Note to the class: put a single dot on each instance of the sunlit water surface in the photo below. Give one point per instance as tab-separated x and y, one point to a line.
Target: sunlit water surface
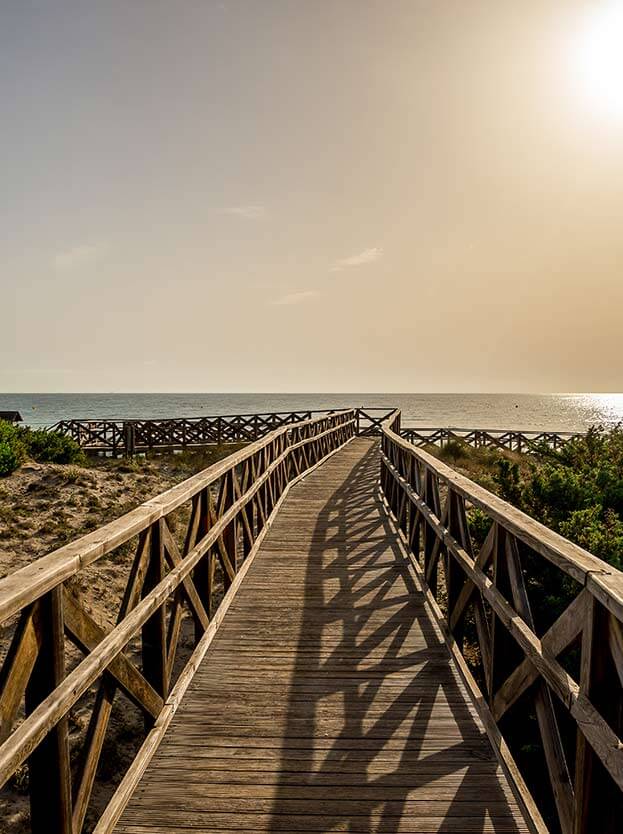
562	412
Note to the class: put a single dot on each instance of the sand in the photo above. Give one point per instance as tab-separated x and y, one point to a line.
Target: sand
43	506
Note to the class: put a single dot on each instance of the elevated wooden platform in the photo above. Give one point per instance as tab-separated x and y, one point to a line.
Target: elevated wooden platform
328	700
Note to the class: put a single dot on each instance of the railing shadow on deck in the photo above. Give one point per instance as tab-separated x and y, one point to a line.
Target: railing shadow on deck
362	543
559	671
186	552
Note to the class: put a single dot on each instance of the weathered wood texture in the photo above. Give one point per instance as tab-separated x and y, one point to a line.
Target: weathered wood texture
191	547
328	700
567	669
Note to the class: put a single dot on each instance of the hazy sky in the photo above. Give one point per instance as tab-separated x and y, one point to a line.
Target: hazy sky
331	195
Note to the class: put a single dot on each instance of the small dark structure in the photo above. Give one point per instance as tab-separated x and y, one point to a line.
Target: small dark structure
11	416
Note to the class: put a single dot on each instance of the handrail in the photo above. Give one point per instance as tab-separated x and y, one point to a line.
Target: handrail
514	440
430	502
129	436
463	429
232	505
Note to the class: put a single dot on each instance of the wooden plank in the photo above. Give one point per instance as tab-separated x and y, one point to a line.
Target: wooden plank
132	778
328	699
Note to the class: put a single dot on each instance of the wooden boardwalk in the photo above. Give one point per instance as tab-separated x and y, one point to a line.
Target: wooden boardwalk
327	700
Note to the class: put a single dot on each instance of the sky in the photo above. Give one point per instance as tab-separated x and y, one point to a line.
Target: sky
338	195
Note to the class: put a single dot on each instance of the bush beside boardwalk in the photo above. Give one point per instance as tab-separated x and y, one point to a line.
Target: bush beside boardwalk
18	443
576	491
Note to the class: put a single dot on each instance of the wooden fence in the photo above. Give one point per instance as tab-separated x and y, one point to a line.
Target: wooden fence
127	437
566	667
187	551
510	439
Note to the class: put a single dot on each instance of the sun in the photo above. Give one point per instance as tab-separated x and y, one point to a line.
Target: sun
598	58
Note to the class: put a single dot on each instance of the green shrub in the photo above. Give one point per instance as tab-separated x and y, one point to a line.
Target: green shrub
508	480
12	447
454	450
17	443
9	461
600	533
577	491
479	525
49	447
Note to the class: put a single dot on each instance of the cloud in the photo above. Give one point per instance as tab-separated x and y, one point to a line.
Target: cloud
368	256
248	212
294	298
76	257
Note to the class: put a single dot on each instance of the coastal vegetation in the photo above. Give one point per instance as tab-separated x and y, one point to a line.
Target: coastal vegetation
576	490
20	443
44	505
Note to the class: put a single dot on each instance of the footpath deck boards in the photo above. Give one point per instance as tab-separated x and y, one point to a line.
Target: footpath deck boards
327	701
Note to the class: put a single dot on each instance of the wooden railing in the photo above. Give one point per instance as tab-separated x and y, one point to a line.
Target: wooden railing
567	669
186	551
510	439
127	437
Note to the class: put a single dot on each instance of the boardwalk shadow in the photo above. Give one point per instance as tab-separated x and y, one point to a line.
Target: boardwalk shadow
377	720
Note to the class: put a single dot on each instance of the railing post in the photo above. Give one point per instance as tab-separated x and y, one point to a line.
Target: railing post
128	439
202	572
598	800
49	766
455	578
154	632
505	654
230	534
431	497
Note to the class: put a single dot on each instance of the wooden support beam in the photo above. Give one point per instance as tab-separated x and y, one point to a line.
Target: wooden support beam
553	749
49	766
86	634
154	632
18	666
598	800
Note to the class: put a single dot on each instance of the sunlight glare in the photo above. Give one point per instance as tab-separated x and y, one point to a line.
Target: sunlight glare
598	57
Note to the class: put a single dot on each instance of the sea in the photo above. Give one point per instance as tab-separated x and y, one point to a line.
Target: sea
552	412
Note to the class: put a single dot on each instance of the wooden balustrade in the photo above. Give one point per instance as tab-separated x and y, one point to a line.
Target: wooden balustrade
179	575
567	670
127	437
510	439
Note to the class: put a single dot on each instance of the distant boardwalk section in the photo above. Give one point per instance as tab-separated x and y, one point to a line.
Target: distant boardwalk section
128	437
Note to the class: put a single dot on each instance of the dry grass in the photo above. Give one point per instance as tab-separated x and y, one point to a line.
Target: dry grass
480	464
42	507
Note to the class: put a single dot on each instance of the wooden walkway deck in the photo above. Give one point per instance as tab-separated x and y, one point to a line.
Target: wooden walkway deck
328	700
